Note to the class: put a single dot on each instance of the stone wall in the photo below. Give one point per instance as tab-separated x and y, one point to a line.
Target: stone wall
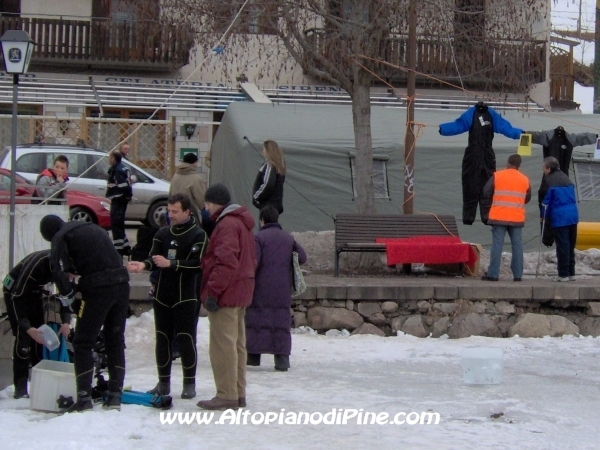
455	319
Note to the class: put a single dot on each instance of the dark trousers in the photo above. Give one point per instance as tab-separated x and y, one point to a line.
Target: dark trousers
176	319
118	207
104	306
565	238
25	350
473	197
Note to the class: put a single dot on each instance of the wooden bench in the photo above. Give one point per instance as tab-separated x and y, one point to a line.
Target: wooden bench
357	232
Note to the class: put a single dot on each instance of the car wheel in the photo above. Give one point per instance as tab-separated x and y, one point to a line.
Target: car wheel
156	210
81	215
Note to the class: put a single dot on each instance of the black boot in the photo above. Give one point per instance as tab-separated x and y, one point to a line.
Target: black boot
113	401
253	359
21	389
161	388
83	403
282	362
189	390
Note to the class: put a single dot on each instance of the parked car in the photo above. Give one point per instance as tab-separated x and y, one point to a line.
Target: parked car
82	206
150	194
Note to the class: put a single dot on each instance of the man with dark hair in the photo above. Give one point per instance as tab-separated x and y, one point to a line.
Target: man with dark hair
24	299
84	249
509	191
559	203
227	287
119	191
176	251
52	181
187	181
268	215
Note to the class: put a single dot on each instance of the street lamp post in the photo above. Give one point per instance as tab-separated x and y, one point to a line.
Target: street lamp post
17	47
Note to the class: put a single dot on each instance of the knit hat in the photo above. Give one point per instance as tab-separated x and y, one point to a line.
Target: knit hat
190	158
50	225
217	194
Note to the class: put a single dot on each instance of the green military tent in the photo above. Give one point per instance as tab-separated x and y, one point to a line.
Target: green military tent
318	144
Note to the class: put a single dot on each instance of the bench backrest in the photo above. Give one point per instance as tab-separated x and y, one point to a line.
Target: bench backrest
359	228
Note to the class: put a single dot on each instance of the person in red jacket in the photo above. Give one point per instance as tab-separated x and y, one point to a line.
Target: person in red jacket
228	268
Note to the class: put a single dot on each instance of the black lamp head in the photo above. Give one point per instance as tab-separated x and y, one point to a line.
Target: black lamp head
190	129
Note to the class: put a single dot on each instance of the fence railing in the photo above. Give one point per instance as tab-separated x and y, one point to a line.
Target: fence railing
485	61
151	146
144	45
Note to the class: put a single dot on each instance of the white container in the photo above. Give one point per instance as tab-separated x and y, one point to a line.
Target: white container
50	380
51	340
482	365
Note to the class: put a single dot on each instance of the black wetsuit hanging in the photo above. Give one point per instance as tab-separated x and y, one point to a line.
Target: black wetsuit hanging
479	161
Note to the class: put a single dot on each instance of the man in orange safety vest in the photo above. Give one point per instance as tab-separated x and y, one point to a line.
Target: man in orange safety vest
509	190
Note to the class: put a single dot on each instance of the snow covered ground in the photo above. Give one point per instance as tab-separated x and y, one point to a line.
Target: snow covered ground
547	399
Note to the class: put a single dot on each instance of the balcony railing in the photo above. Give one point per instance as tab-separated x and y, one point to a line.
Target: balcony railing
488	62
104	43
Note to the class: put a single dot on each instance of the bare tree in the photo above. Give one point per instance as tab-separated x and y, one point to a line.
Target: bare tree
345	42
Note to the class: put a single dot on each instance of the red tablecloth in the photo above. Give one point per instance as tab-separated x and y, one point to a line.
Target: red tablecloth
428	250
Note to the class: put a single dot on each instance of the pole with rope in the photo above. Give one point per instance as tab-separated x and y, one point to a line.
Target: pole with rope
409	138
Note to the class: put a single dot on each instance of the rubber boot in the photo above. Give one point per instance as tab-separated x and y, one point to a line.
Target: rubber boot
161	388
282	362
113	401
189	391
83	403
21	389
253	359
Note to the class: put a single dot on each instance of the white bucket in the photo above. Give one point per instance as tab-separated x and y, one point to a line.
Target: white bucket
50	380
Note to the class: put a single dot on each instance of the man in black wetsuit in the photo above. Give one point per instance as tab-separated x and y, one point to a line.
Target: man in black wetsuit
84	249
24	299
176	251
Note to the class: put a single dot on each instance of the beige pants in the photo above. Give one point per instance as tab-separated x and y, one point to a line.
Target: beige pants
227	351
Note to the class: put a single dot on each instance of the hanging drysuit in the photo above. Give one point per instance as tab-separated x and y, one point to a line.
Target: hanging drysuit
479	161
559	144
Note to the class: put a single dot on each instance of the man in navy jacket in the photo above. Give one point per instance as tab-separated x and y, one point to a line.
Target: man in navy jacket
560	205
119	191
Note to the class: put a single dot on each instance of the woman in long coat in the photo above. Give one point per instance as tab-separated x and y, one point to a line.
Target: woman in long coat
268	319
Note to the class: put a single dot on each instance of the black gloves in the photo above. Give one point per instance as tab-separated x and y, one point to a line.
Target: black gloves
211	304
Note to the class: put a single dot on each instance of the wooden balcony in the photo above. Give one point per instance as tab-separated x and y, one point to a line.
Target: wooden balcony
491	64
104	43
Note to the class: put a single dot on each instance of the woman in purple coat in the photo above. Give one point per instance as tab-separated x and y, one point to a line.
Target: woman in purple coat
268	319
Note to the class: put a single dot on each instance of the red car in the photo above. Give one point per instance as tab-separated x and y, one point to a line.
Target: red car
82	206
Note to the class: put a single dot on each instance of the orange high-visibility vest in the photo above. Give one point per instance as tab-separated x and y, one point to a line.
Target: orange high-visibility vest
510	191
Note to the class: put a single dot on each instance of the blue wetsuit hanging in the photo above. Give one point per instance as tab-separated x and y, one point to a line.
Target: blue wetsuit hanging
479	161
